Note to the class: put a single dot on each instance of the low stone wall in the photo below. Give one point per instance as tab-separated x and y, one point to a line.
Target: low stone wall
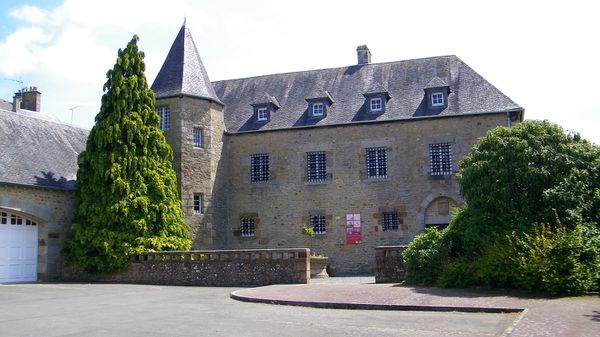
220	268
389	265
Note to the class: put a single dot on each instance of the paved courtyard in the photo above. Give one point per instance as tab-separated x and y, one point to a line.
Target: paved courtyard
138	310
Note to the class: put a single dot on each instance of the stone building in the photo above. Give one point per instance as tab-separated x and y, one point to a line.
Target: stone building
37	188
365	155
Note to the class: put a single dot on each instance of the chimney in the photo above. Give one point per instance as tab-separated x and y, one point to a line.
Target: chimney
17	99
363	54
31	99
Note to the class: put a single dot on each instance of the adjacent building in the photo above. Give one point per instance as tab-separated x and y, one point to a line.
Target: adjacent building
37	187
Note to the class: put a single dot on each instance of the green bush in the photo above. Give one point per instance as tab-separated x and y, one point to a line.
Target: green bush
490	269
513	179
424	256
556	260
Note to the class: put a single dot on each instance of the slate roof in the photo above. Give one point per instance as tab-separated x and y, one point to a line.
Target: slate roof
404	81
38	151
183	72
5	105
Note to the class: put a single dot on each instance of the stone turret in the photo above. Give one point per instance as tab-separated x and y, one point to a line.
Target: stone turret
192	119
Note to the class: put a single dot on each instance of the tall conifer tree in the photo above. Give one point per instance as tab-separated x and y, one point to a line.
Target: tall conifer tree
128	201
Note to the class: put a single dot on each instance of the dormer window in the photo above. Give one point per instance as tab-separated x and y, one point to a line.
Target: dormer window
263	107
319	104
437	99
436	95
318	109
376	98
262	114
376	104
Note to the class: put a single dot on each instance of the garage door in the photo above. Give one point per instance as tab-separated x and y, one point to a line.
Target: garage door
18	248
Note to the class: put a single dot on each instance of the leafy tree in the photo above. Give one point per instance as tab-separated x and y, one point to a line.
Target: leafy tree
531	173
128	201
531	215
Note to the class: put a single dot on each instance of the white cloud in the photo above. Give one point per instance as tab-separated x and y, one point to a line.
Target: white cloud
19	51
543	57
30	14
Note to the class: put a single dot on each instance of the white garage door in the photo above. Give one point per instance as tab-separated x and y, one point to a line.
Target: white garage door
18	248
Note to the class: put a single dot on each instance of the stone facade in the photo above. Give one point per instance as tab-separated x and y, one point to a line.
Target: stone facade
52	210
282	205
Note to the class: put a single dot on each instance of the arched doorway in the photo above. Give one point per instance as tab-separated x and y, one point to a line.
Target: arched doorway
439	212
18	247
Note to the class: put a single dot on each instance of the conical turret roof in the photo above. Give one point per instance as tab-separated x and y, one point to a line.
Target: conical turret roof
183	73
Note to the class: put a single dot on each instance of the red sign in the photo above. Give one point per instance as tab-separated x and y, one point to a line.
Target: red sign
353	229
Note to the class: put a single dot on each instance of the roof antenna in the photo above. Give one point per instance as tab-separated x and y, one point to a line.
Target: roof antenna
20	81
73	109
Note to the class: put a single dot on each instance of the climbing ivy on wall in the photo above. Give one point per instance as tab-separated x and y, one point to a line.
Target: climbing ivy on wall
127	201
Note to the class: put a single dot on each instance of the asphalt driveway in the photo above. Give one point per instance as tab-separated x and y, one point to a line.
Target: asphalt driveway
139	310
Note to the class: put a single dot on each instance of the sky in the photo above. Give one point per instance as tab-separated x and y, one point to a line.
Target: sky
544	55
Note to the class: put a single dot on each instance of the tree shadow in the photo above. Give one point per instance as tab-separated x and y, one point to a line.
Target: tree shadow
473	293
595	316
48	179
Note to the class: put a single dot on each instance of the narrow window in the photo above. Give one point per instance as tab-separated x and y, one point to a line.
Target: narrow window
4	218
318	109
440	159
197	137
375	104
316	166
262	114
259	168
247	227
197	203
317	222
163	115
376	163
437	99
389	222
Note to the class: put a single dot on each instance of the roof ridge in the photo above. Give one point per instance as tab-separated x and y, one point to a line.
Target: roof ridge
337	68
33	115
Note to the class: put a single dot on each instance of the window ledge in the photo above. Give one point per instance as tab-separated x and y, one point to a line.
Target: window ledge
374	180
261	184
323	182
441	176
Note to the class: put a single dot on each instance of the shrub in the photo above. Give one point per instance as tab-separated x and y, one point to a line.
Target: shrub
424	256
558	261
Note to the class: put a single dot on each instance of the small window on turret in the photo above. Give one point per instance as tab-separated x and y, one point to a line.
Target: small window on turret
163	116
197	137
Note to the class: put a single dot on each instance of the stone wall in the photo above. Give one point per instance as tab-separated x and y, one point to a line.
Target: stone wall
389	264
281	206
225	268
53	210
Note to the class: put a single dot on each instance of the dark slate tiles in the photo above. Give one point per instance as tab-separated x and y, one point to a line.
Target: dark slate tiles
404	81
183	72
39	152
